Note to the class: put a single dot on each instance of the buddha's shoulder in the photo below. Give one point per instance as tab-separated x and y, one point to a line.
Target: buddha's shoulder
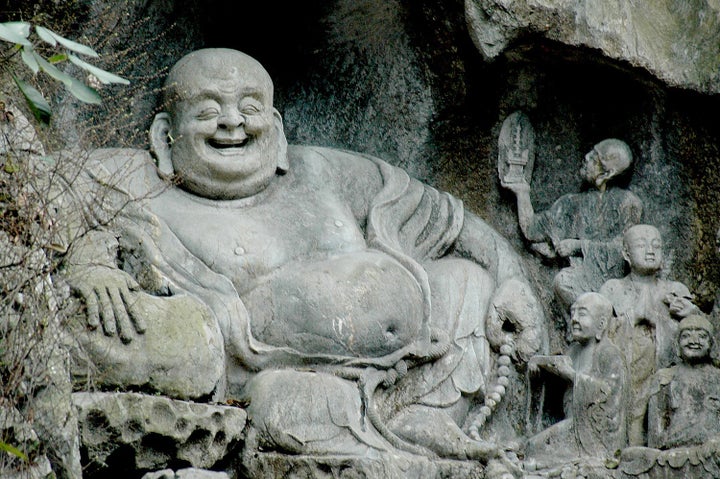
130	169
325	162
117	161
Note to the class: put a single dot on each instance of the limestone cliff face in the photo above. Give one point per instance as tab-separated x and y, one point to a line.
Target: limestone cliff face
678	41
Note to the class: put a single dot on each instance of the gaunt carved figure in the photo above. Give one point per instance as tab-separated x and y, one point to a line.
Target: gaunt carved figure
586	227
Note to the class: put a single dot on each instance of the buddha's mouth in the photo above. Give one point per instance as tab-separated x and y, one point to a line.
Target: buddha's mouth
227	145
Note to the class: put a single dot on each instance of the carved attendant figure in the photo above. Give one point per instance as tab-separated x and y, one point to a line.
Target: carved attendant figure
310	258
684	407
648	309
595	370
586	228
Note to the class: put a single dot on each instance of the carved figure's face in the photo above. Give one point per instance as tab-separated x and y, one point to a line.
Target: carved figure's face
585	321
694	344
592	167
643	249
225	137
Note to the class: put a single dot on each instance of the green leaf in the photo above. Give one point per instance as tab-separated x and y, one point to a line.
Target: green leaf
9	35
60	57
102	75
79	90
27	56
45	35
52	70
21	28
69	44
13	450
84	93
10	167
37	103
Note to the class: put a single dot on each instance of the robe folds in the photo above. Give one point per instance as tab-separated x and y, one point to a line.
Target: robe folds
412	223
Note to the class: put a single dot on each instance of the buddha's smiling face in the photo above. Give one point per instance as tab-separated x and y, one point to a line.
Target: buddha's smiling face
224	128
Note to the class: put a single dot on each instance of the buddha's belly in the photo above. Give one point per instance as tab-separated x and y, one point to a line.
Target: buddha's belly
361	304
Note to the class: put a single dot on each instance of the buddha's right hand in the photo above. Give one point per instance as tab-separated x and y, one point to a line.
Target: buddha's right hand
108	294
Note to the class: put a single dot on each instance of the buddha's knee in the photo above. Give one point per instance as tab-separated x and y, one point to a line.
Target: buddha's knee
301	412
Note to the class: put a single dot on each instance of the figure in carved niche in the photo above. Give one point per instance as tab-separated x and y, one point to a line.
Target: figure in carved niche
585	228
301	258
684	405
683	412
648	309
595	371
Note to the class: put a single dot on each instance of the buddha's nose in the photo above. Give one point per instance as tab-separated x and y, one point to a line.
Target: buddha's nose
230	119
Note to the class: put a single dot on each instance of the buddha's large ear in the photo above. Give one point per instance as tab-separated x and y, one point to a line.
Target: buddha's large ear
160	141
283	163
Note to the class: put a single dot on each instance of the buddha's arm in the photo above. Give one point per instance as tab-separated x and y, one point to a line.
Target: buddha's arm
479	242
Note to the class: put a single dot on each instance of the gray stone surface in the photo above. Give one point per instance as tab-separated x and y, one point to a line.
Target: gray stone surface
648	308
594	426
189	473
676	40
180	353
583	231
304	257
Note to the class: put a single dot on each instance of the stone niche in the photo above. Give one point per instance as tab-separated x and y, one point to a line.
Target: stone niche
409	81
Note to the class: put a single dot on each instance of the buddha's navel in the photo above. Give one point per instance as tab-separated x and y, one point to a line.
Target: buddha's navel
362	304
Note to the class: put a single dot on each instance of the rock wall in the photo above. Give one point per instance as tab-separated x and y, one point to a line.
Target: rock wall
426	84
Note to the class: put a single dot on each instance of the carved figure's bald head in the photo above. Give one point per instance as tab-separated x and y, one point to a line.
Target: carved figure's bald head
191	72
220	134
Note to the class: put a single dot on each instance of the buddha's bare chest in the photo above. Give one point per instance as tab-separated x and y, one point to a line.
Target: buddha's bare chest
246	243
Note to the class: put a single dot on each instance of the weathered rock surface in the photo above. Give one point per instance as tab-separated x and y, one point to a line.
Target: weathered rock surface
189	473
130	431
676	40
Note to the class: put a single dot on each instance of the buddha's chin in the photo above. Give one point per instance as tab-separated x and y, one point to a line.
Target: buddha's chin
228	186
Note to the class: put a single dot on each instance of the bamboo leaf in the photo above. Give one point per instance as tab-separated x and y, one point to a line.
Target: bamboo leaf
9	35
45	35
78	89
27	56
21	28
102	75
84	93
52	70
37	103
60	57
13	450
69	44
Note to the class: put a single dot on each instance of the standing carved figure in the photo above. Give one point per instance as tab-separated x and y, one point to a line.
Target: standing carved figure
584	228
648	309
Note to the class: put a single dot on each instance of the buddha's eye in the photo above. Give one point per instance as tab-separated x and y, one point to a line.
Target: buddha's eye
208	114
250	106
